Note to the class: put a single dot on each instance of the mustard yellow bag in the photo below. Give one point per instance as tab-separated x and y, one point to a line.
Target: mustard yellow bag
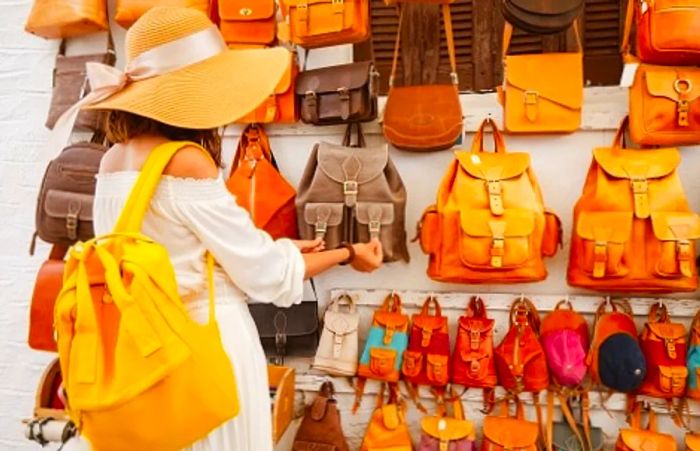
138	372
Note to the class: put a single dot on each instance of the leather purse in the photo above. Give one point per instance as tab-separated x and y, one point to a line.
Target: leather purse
323	23
387	429
338	348
638	438
424	117
286	332
248	23
49	281
58	19
452	433
541	93
321	429
280	106
541	16
259	187
505	432
664	105
129	11
70	84
666	31
338	94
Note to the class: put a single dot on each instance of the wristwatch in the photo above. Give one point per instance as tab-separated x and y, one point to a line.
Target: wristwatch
351	250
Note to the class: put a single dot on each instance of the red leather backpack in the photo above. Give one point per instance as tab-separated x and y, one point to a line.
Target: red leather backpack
426	360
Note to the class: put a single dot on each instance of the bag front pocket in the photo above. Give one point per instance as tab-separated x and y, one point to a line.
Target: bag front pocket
675	251
604	237
672	379
375	220
412	363
382	362
552	239
428	232
495	242
324	220
438	369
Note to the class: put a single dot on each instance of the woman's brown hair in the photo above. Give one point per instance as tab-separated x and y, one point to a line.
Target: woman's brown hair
121	126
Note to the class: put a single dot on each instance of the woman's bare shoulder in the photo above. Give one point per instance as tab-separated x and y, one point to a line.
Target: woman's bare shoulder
192	162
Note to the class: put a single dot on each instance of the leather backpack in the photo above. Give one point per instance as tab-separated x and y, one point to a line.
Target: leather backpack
64	206
424	117
666	32
351	195
338	348
338	94
57	19
615	359
442	432
633	229
489	224
321	428
323	23
665	349
693	359
280	107
248	23
541	16
541	93
564	338
638	438
47	286
387	429
504	432
259	187
426	361
129	11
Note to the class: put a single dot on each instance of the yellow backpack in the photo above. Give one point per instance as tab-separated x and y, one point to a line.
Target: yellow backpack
138	372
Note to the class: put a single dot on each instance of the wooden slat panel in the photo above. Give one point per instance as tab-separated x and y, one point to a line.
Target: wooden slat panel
602	32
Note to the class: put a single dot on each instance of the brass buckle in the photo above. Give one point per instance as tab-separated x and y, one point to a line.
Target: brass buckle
374	228
350	188
454	78
531	97
683	249
320	229
474	339
682	86
640	186
72	225
600	252
344	93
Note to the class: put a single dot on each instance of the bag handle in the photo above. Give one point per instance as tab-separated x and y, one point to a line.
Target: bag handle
347	138
625	44
431	300
253	145
508	35
478	141
476	308
524	308
392	303
564	302
619	140
327	389
658	313
449	35
344	299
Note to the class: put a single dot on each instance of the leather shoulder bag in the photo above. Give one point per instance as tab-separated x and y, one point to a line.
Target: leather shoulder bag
542	93
638	438
49	281
542	16
129	11
442	432
338	94
70	84
323	23
338	348
387	428
424	117
506	432
248	23
321	429
58	19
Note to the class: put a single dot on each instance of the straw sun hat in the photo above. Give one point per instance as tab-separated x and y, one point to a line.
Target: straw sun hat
180	72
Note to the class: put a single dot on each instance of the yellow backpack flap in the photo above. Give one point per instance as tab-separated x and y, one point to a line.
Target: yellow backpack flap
138	372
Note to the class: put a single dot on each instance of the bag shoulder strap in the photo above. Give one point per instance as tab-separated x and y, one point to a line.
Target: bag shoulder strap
253	145
629	17
478	140
431	300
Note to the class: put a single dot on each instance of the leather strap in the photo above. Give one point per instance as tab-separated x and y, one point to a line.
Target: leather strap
658	313
625	44
478	141
392	303
347	137
449	35
254	145
343	299
431	300
476	308
58	252
619	140
508	35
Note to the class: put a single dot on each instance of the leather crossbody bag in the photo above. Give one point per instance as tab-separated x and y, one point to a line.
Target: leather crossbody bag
58	19
541	16
280	106
248	23
323	23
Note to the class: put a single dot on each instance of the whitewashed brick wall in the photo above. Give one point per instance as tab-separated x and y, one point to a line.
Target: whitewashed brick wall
26	64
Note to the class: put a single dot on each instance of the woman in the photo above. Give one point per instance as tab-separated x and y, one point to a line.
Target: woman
181	84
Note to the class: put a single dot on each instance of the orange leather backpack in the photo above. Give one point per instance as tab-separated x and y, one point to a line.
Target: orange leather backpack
637	438
489	224
248	23
633	229
387	429
322	23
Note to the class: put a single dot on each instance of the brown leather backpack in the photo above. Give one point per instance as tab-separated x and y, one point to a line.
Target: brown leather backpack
542	16
64	207
351	194
321	429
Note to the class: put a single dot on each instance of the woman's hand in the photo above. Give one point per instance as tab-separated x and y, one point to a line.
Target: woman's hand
368	256
310	246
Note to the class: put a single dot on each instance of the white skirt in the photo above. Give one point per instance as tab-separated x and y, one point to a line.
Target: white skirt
251	430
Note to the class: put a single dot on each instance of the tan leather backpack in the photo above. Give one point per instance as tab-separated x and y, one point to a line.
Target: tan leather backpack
351	194
321	428
633	229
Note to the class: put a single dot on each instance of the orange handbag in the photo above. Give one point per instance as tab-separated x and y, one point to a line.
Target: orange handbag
128	11
48	284
542	92
259	187
387	429
322	23
489	224
636	438
57	19
248	23
633	228
505	432
281	105
424	117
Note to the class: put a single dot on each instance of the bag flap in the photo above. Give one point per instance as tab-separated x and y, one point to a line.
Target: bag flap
245	10
390	319
437	359
692	442
510	433
670	331
318	408
390	416
330	213
60	204
493	166
383	212
676	226
557	77
633	163
331	79
647	441
671	82
300	319
547	8
513	223
431	323
341	323
447	429
674	371
482	325
289	76
612	323
606	226
340	162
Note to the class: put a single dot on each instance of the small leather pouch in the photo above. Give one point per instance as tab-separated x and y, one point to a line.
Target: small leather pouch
248	23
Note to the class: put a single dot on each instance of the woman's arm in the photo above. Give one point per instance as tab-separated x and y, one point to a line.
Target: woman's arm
367	258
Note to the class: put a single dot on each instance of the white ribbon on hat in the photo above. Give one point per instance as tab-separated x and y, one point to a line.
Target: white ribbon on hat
105	81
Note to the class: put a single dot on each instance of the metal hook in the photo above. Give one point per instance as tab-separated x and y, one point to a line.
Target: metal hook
608	302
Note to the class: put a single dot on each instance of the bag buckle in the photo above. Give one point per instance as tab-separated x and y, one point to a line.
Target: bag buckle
474	339
72	220
495	190
280	323
374	229
350	188
388	335
671	347
474	367
320	229
531	97
427	335
454	78
497	252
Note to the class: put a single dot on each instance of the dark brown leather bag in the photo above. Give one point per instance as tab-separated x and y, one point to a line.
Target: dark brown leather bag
49	281
64	206
321	429
70	84
542	16
338	94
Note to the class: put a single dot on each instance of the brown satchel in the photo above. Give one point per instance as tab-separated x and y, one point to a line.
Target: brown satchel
542	16
338	94
424	117
70	84
321	429
48	284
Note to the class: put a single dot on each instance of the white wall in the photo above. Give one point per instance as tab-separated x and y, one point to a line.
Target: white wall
26	63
